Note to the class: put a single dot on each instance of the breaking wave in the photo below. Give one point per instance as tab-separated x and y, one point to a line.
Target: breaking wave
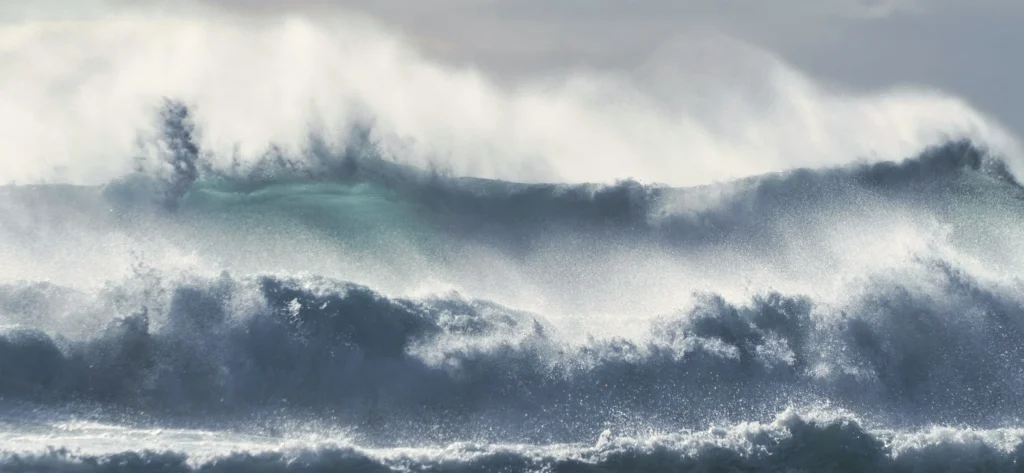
788	443
348	303
449	366
930	336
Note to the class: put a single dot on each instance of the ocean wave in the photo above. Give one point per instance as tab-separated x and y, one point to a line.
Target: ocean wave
884	289
789	443
361	182
223	348
336	255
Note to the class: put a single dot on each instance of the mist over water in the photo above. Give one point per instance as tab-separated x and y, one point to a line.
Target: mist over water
250	244
697	111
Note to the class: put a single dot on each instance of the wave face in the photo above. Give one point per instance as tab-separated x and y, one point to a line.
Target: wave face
330	303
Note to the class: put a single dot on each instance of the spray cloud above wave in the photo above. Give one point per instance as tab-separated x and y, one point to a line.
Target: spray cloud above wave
701	110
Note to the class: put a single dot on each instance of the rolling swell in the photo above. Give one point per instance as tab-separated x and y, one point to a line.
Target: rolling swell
182	165
520	218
